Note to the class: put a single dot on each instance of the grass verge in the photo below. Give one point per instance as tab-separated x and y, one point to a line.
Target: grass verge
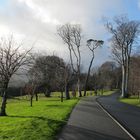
40	122
106	93
131	100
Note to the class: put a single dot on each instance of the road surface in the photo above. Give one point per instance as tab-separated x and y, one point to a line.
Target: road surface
127	115
88	121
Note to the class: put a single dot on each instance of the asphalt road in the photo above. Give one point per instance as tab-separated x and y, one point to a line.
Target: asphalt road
127	115
89	122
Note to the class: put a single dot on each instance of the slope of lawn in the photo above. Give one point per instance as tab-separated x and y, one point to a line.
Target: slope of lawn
131	100
40	122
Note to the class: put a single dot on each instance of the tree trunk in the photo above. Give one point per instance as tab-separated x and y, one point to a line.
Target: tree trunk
31	100
127	78
126	84
4	100
3	105
85	88
48	93
35	92
61	96
123	82
67	91
79	90
36	96
95	91
88	75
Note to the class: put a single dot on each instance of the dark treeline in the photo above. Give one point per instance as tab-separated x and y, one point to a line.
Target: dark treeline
49	77
134	76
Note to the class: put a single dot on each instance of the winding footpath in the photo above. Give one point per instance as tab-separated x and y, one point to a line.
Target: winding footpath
89	121
127	115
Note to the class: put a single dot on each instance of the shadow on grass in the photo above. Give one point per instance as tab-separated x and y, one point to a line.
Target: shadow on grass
39	123
58	106
36	117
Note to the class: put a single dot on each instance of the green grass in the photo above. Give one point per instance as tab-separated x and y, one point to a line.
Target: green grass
131	100
88	93
40	122
106	93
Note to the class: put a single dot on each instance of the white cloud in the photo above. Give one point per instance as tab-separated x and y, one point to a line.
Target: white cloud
38	19
3	30
40	12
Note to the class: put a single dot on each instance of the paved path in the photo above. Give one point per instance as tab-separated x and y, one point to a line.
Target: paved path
127	115
89	122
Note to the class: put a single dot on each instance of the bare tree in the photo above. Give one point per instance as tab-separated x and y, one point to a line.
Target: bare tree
92	45
71	35
12	58
33	83
124	37
29	90
66	74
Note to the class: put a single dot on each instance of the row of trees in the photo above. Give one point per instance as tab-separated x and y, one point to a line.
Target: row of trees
125	34
51	73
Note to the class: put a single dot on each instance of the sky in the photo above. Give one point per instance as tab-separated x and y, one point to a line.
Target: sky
36	21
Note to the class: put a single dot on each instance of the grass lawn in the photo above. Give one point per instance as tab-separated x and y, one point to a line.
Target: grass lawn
106	93
40	122
88	93
131	100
